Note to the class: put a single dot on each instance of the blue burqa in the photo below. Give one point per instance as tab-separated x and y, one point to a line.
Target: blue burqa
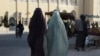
57	40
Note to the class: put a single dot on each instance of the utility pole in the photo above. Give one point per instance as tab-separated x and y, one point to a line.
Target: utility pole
16	16
84	6
48	5
16	11
38	3
58	4
27	11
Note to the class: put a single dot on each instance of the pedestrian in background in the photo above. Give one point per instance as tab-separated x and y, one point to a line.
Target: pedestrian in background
19	30
82	32
37	28
57	40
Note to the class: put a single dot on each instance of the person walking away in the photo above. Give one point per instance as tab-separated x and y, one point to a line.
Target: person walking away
57	40
37	28
20	29
82	32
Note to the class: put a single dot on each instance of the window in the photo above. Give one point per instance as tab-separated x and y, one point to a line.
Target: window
64	1
33	0
13	0
43	1
73	2
53	1
46	0
21	0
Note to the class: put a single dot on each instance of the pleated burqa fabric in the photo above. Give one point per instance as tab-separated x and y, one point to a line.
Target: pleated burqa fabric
57	40
37	30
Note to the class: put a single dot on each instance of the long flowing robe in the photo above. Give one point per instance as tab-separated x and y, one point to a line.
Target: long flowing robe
57	40
37	29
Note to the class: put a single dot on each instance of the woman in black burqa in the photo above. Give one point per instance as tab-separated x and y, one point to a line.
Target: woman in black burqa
37	28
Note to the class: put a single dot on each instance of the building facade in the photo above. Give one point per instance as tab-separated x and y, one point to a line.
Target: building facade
26	7
92	10
23	9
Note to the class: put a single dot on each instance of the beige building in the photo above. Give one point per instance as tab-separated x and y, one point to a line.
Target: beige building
25	8
21	6
92	9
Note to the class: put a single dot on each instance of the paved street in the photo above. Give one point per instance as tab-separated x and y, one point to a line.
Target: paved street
89	51
12	46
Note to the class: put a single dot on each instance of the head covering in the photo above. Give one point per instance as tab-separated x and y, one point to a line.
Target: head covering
57	41
37	22
82	17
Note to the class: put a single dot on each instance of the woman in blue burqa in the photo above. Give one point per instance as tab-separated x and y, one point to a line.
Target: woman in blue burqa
57	40
37	30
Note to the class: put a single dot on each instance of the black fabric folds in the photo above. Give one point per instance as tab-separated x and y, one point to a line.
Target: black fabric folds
37	29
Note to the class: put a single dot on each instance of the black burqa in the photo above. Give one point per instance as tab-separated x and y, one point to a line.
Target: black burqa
37	29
